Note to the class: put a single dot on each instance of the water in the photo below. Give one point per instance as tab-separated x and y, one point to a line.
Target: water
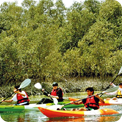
36	116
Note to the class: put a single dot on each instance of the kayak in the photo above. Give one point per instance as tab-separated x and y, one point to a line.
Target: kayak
114	102
19	108
65	113
107	102
15	108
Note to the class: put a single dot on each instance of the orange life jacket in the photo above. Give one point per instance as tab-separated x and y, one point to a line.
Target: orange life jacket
90	102
21	99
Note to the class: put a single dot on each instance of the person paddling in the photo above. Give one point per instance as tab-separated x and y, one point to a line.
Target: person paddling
91	102
55	93
118	93
21	97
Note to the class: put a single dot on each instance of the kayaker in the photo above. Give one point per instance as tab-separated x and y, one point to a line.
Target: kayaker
21	97
91	102
55	93
118	93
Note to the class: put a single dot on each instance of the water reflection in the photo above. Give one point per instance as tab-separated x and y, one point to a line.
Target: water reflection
86	119
34	116
28	116
16	117
120	120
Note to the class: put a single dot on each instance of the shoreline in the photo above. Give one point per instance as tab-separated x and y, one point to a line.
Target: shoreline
72	85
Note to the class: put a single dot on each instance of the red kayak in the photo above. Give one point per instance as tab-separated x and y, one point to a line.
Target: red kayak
61	113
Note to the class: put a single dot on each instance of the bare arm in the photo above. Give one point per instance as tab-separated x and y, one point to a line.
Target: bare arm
77	102
113	84
8	101
53	96
112	93
101	100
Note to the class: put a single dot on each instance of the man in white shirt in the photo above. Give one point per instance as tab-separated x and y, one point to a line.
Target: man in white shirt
118	93
21	97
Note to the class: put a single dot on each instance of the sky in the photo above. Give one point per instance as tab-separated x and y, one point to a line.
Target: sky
67	3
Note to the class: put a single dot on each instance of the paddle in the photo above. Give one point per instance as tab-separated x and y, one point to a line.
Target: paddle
25	83
108	90
39	86
120	72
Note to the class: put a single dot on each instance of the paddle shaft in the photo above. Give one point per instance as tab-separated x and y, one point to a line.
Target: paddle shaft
44	92
120	72
111	82
109	90
81	99
7	97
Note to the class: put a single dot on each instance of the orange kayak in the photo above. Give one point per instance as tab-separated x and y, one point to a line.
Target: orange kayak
61	113
107	102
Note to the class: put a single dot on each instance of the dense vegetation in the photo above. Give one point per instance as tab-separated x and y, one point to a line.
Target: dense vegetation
46	40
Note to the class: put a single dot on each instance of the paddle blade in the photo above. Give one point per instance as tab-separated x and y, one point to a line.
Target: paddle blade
111	89
120	71
38	86
25	83
55	101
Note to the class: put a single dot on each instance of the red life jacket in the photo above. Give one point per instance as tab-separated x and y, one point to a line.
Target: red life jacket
21	99
90	102
54	92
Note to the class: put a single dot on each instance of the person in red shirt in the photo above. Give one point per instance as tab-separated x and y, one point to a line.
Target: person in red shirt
55	93
21	97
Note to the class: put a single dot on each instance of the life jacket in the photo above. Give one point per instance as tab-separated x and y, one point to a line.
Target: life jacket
119	94
90	102
21	99
54	92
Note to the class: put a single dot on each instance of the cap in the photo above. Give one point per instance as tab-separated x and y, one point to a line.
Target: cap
55	84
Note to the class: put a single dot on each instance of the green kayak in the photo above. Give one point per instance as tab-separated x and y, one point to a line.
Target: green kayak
6	108
18	108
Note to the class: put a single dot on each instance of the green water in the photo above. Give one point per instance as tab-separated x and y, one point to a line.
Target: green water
36	116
